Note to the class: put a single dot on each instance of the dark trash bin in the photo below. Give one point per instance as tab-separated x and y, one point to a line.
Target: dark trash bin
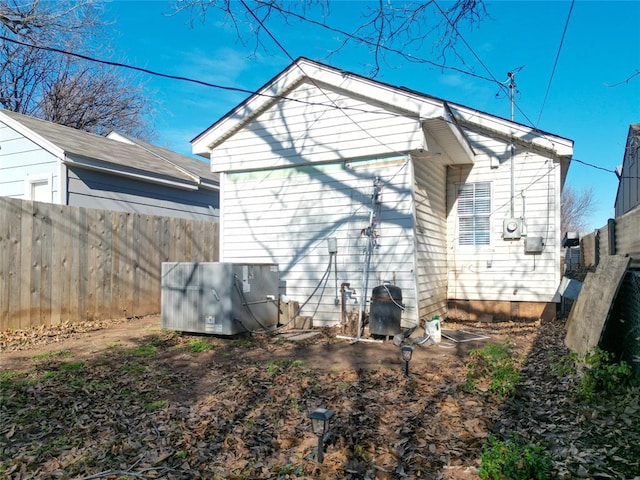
386	311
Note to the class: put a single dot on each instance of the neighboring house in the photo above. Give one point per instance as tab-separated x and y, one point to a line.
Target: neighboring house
628	196
46	162
462	221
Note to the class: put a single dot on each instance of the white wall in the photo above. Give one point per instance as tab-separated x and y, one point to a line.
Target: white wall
501	270
431	236
285	216
20	159
291	132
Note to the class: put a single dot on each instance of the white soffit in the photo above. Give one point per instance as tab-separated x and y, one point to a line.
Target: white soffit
527	136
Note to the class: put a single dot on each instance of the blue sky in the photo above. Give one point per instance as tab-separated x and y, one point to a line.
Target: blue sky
593	98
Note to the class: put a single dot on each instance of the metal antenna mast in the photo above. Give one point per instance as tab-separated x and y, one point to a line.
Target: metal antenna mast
512	89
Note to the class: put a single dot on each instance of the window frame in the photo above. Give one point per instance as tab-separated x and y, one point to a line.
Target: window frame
31	180
481	205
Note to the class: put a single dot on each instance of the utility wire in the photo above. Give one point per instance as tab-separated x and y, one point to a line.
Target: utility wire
555	63
326	95
206	84
502	86
252	92
364	41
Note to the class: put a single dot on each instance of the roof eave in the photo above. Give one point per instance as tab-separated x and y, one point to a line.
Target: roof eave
112	169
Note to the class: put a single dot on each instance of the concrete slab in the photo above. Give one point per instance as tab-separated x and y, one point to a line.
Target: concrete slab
298	336
590	313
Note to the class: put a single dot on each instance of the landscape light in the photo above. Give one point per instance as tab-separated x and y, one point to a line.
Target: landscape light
320	425
407	352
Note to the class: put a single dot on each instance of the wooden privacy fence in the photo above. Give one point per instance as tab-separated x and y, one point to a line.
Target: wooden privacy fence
620	236
61	263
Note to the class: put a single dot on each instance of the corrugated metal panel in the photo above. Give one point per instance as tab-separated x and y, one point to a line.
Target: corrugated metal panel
283	217
506	272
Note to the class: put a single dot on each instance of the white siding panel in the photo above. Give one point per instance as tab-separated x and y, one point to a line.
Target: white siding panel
431	235
286	216
291	132
502	270
20	158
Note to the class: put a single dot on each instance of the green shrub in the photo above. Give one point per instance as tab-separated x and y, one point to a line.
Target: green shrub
513	459
600	375
198	345
495	364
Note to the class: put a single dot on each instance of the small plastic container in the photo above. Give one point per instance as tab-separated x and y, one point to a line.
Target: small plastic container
432	328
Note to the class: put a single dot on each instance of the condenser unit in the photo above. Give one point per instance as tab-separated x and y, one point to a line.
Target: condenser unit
219	298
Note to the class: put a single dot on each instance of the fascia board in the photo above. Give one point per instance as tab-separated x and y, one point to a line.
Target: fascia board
243	113
94	165
559	146
33	136
210	185
396	98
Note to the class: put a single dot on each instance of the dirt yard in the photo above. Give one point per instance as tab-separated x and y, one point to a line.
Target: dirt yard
24	351
125	399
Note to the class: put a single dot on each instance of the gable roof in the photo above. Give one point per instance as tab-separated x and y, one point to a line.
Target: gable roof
134	158
440	118
198	169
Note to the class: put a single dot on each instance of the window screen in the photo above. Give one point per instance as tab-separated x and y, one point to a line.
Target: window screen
474	211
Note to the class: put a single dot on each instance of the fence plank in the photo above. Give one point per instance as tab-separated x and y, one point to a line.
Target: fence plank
23	319
627	233
61	263
5	267
43	221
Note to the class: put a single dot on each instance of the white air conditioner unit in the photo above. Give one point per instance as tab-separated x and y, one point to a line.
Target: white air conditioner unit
512	228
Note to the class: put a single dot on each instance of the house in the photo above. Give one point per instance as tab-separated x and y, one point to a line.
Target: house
458	208
46	162
628	196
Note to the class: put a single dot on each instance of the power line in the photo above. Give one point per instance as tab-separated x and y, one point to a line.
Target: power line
555	63
483	65
364	41
264	27
252	92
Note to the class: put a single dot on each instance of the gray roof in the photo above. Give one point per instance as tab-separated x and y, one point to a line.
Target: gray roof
139	158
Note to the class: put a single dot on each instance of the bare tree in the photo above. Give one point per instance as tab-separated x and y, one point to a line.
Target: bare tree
575	209
388	28
63	88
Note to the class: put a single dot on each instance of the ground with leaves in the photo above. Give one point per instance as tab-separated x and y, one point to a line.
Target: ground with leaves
125	399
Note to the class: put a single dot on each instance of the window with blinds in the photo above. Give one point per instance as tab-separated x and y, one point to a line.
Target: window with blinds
474	212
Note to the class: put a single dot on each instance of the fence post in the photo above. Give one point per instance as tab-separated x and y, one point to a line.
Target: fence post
611	231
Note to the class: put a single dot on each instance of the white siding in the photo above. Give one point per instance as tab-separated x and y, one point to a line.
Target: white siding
431	236
293	132
501	270
21	158
285	216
